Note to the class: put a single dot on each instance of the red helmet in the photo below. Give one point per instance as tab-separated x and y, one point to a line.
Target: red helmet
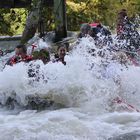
94	24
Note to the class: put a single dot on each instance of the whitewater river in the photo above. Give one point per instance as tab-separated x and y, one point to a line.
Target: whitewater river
84	90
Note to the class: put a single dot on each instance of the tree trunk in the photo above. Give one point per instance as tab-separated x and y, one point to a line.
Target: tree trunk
31	23
60	19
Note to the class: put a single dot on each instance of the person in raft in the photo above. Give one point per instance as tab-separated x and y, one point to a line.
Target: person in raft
20	56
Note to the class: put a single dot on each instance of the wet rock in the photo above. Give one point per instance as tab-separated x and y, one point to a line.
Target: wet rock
11	103
127	136
38	103
33	102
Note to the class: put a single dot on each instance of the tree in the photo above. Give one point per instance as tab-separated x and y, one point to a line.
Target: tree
105	11
12	21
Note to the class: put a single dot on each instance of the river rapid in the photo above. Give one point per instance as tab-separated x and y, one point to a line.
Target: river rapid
84	91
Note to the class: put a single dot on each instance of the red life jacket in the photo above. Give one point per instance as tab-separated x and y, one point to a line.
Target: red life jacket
27	58
119	29
17	59
13	60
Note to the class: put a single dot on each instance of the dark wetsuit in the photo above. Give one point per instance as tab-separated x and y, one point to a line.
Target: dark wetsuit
57	59
100	29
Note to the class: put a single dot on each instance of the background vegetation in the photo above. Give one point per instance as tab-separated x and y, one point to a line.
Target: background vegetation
12	21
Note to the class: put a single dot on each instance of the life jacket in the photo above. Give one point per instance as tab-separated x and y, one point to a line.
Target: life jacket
119	29
57	59
27	58
17	59
121	24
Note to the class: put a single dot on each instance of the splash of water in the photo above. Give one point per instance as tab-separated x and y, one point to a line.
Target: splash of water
85	87
91	78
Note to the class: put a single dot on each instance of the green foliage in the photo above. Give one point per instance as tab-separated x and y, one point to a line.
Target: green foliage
48	18
12	21
105	11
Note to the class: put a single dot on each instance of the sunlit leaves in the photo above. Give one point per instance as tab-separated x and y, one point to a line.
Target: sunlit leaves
12	21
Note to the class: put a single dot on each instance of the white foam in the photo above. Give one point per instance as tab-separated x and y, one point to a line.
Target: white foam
86	90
